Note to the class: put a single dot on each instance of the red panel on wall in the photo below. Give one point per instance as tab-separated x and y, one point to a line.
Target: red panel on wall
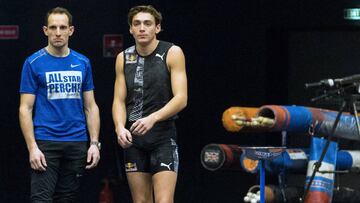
112	45
9	31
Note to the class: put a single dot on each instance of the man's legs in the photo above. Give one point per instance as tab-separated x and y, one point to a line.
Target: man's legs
138	175
164	164
71	170
164	186
140	187
43	182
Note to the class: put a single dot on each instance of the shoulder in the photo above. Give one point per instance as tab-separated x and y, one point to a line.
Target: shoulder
79	56
175	52
120	56
175	57
129	55
119	64
172	48
165	43
36	56
175	49
130	50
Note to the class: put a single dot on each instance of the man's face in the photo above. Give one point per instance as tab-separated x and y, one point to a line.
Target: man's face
58	30
143	27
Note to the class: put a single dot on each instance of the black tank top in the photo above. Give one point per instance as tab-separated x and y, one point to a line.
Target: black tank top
147	81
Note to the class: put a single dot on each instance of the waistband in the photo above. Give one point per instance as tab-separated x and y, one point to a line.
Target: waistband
159	125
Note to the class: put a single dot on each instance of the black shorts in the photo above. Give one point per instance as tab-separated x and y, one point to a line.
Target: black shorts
159	154
161	132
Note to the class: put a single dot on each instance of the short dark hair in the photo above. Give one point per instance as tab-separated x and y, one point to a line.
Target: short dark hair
58	10
146	9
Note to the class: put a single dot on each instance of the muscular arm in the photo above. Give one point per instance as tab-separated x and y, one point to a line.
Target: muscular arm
93	126
26	121
36	157
92	115
176	64
118	108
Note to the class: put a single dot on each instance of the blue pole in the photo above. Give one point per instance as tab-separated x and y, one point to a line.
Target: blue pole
262	181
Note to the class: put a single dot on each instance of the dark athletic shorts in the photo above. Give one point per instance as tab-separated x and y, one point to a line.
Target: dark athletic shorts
153	152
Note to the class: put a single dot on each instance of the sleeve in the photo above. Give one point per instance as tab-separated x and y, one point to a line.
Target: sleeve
28	83
88	81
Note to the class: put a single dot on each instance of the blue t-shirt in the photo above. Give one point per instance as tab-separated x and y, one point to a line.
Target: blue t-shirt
58	84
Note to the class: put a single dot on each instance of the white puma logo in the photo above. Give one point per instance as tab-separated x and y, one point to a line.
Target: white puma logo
160	56
166	165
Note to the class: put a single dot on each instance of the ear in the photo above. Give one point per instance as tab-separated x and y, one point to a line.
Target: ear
130	30
72	29
45	30
158	28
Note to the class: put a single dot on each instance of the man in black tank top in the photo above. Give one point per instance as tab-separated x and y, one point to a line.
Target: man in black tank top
150	89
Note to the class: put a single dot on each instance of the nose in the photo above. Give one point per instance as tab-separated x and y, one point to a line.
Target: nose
58	31
142	27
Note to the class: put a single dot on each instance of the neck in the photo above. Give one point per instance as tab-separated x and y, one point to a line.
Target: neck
59	52
145	50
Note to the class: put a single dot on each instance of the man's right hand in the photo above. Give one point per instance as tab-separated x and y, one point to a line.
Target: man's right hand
124	137
37	160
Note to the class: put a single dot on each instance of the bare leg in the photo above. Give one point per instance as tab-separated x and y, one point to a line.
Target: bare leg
140	187
164	186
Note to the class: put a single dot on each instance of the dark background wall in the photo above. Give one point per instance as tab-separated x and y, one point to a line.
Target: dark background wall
238	53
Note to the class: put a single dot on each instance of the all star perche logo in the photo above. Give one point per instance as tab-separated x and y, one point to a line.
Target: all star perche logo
63	84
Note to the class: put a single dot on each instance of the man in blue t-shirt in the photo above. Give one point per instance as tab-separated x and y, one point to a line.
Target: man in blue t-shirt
58	113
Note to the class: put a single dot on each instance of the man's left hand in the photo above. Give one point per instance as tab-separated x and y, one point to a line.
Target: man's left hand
142	126
93	157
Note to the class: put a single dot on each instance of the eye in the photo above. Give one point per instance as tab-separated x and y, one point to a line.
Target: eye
63	27
148	23
136	23
52	27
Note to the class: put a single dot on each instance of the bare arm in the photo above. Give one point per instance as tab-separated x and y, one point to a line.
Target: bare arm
36	157
118	108
176	64
92	115
93	125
